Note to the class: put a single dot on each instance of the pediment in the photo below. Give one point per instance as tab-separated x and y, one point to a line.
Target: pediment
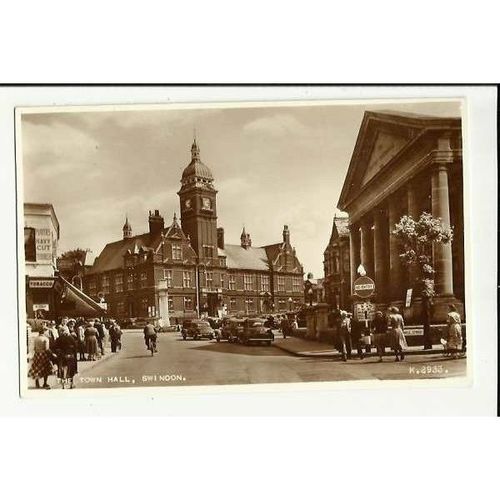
382	138
385	147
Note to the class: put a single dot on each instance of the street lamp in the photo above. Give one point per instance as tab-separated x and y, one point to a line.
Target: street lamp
290	301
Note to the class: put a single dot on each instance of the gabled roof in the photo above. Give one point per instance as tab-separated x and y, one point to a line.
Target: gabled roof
237	257
340	227
272	251
112	255
382	139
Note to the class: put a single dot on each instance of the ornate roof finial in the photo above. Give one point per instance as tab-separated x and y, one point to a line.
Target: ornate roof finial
127	228
195	150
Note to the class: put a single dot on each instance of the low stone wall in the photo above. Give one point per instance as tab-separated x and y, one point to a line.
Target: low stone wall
413	333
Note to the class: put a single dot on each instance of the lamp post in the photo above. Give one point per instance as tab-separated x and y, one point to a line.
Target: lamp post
290	301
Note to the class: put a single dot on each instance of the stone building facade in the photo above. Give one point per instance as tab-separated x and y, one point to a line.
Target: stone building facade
190	259
41	236
336	266
406	164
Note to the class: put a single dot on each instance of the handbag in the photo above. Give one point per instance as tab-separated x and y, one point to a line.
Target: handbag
366	339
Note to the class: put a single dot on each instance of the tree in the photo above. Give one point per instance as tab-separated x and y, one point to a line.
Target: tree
417	238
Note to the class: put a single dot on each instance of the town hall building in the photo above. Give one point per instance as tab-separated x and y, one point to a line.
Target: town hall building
190	259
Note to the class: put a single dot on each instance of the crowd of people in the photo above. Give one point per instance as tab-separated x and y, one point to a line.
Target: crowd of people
59	348
387	331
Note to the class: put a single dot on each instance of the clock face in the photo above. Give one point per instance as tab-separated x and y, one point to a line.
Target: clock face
187	203
207	204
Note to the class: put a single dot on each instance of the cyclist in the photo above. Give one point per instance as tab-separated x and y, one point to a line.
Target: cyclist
150	335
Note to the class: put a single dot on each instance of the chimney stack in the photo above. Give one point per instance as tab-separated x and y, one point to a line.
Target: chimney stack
220	237
286	235
156	222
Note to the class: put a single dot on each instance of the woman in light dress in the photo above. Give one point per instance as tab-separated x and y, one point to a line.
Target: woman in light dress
396	334
454	341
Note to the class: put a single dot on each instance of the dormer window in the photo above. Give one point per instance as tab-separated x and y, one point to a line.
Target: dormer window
176	252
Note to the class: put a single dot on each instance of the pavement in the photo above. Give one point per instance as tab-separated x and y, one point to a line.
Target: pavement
313	348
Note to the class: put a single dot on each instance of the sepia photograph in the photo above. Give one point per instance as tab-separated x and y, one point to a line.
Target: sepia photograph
177	245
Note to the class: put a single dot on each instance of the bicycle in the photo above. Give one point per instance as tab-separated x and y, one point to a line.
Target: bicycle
152	346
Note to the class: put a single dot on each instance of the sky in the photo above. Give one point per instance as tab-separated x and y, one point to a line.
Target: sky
272	166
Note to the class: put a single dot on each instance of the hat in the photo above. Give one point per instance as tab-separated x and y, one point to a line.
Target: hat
71	320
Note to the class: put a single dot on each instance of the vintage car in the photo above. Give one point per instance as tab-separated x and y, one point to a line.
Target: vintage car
197	329
229	329
254	331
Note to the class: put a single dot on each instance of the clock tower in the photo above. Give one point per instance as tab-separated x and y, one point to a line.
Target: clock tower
198	207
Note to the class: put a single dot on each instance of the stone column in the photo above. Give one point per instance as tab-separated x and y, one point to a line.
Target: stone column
395	264
366	247
321	311
353	253
380	257
163	303
443	266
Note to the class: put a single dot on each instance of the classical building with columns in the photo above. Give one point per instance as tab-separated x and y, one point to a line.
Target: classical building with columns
405	164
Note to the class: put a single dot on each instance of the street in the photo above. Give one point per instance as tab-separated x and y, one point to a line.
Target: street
205	362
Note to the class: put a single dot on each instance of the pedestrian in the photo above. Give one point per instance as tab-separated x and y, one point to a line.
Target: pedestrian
41	365
91	344
72	329
294	325
379	326
52	334
66	348
80	332
100	335
344	335
115	335
454	340
63	326
285	326
396	333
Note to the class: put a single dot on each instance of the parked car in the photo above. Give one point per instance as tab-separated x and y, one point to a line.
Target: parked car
229	329
197	328
214	322
254	331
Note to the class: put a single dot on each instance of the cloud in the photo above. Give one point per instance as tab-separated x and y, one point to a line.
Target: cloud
277	125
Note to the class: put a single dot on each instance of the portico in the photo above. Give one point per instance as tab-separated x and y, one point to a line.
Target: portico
405	166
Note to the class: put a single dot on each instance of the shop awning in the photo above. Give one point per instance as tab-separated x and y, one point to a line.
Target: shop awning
78	303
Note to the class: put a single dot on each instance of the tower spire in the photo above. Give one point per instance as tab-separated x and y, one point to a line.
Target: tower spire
195	150
245	239
127	228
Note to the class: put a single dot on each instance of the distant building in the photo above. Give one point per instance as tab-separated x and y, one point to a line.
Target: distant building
337	266
405	164
73	265
190	259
